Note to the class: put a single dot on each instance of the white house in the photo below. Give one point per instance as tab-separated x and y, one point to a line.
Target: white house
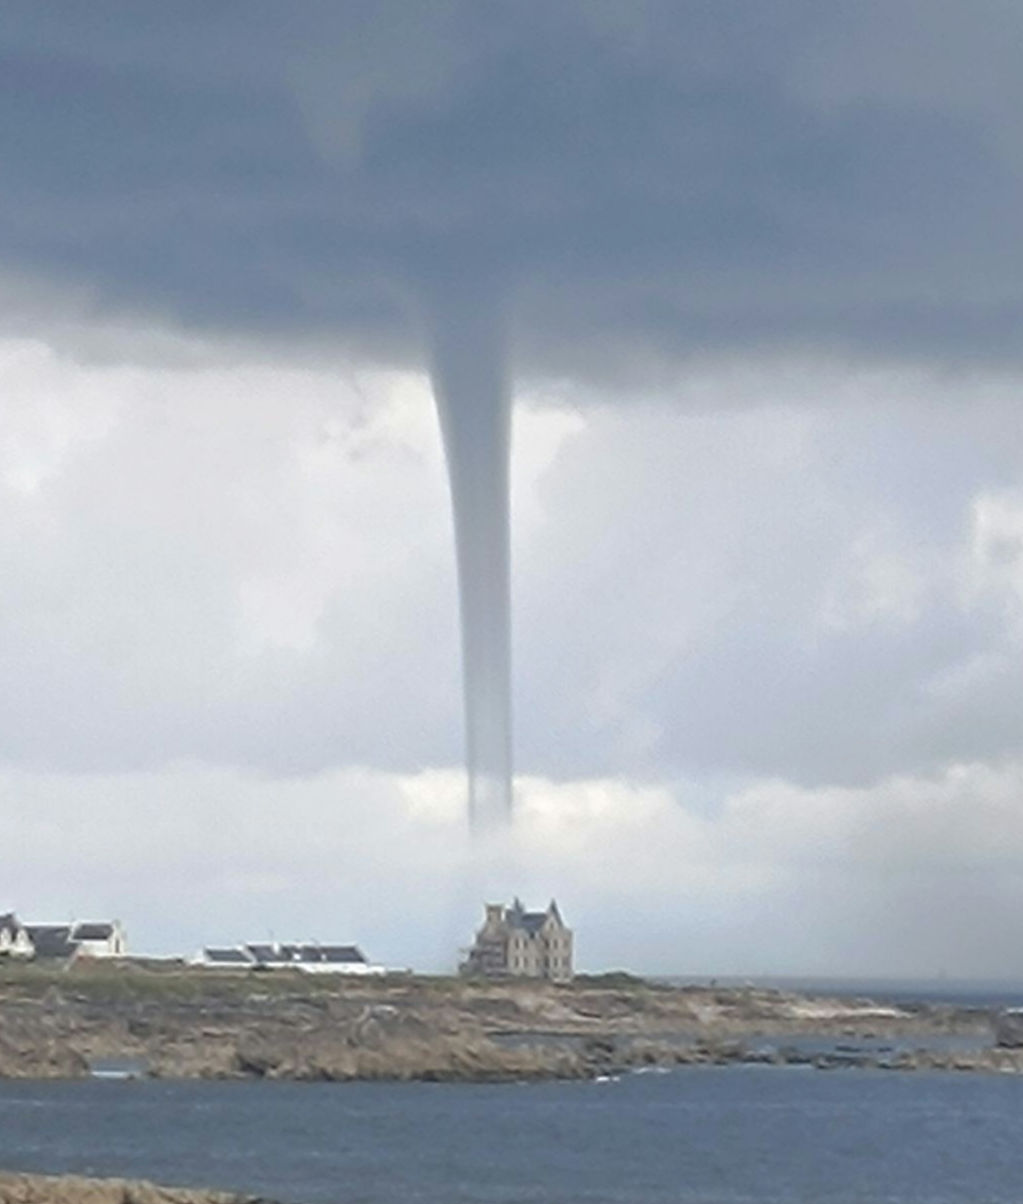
80	938
14	938
99	938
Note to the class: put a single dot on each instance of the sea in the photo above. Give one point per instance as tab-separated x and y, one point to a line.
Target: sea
738	1134
979	994
694	1135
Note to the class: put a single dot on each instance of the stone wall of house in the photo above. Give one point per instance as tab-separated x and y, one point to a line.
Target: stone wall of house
514	942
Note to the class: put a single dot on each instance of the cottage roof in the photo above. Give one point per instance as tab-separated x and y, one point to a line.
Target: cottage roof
308	954
51	940
89	930
339	954
9	923
265	954
233	956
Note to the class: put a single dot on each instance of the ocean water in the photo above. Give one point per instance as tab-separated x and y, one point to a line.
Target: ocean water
979	994
726	1135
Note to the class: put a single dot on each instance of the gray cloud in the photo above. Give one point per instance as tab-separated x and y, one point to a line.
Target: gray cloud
801	592
194	570
649	179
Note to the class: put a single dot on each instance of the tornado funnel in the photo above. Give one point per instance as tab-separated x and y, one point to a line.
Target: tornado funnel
474	404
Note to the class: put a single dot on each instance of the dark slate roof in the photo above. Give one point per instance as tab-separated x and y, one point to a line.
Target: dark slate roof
88	931
9	921
51	940
235	956
264	954
335	954
308	955
530	921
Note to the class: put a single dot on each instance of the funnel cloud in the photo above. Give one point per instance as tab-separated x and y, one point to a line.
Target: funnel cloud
474	403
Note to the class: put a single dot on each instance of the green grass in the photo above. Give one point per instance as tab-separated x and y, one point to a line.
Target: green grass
99	980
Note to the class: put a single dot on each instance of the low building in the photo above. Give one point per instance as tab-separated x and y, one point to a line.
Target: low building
514	942
81	938
310	958
99	938
14	938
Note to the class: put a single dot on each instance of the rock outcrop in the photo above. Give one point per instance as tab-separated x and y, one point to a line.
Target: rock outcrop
200	1024
1009	1028
71	1189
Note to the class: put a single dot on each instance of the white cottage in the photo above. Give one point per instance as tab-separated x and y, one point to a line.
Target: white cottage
99	938
14	938
80	938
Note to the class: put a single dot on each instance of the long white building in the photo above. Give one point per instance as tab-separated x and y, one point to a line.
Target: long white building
309	957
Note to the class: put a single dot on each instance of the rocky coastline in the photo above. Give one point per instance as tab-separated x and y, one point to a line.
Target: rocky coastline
73	1189
128	1020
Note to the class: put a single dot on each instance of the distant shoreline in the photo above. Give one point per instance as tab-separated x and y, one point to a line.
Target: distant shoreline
960	992
109	1020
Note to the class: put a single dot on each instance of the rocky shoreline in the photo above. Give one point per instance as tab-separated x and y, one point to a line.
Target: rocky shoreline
127	1020
72	1189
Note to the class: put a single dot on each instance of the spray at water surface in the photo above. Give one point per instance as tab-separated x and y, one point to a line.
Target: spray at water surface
467	365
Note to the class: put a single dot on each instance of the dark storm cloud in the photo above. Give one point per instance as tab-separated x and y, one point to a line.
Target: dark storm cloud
649	178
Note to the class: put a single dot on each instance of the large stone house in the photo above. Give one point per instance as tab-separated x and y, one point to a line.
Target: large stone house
514	942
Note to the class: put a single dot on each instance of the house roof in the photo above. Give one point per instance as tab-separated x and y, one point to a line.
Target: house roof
9	922
265	953
338	954
308	954
92	931
531	921
233	956
51	940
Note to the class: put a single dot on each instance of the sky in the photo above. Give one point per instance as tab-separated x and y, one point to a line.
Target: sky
758	270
